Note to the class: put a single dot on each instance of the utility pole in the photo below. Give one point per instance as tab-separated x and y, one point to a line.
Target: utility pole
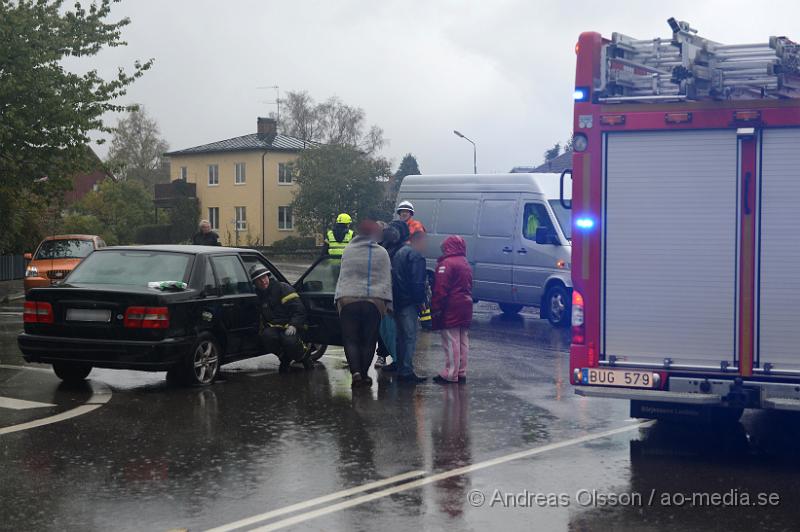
277	101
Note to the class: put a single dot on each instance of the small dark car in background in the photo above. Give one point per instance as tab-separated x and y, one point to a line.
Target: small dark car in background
113	312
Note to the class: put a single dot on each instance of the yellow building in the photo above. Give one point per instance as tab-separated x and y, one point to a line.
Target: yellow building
244	184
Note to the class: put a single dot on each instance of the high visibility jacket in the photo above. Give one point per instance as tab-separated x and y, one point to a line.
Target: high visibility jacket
336	248
415	226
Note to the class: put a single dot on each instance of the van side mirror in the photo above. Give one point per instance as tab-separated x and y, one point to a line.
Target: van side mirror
28	256
546	236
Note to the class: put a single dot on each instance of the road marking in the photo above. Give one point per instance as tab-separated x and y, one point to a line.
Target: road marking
303	517
101	394
319	500
21	404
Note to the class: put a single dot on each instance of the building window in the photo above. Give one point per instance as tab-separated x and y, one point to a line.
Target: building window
284	173
184	173
285	219
213	217
241	218
213	174
240	175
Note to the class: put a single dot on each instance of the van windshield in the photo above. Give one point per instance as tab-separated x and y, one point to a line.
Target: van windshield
564	217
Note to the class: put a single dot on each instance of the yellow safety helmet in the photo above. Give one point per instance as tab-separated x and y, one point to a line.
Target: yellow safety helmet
343	218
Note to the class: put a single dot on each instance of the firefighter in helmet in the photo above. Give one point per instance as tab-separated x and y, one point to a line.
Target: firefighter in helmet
283	316
337	238
405	211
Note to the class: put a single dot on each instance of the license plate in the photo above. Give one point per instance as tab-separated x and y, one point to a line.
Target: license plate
617	377
87	314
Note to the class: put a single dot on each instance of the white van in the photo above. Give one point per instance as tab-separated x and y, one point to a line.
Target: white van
517	233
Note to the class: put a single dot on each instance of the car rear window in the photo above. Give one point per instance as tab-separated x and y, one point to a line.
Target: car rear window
64	249
132	267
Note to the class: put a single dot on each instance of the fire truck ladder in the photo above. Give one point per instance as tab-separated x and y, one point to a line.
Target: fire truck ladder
689	67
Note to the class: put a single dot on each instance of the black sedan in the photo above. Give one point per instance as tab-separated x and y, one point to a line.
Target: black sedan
182	309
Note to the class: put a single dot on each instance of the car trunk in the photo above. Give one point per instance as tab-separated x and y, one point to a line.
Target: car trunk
97	311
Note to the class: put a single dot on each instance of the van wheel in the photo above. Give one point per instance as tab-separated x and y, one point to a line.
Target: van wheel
71	373
558	306
201	364
510	308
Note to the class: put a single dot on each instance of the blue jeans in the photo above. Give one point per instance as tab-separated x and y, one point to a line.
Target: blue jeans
406	319
389	335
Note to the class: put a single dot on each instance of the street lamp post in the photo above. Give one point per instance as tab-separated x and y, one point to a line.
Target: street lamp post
474	150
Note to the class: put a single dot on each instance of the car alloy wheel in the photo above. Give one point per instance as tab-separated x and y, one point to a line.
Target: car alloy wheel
557	307
206	361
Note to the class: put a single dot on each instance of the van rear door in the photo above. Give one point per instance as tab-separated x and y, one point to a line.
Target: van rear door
494	248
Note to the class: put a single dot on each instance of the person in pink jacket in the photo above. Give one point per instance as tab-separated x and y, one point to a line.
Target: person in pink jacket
451	308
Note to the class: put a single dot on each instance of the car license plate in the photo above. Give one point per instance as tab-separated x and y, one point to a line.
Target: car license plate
87	314
617	377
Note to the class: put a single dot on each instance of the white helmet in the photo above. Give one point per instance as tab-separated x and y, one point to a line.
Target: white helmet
405	206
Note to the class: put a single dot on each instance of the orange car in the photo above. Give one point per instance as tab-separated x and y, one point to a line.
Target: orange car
56	256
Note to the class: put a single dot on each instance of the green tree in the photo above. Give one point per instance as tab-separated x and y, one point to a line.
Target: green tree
334	179
137	150
119	207
48	111
408	166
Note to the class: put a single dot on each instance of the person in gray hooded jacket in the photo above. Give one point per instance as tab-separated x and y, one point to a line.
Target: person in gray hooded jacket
363	295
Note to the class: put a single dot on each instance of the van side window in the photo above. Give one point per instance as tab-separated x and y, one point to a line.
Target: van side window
535	217
497	218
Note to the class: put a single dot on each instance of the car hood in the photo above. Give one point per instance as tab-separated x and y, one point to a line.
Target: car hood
55	264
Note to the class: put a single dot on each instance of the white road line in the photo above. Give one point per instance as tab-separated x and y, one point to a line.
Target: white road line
101	394
301	518
21	404
319	500
29	368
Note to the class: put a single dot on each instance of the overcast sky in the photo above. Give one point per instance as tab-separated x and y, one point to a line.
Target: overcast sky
500	71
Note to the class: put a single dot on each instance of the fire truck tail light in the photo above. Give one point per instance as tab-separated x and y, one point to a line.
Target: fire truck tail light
578	327
678	118
580	142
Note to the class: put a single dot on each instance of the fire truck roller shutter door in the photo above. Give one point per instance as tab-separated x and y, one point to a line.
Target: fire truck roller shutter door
670	247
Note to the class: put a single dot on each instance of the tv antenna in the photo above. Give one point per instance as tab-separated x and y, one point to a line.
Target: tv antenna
277	101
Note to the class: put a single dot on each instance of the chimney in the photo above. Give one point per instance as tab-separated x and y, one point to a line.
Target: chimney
267	127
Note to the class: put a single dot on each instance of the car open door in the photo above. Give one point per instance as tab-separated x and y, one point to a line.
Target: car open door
316	288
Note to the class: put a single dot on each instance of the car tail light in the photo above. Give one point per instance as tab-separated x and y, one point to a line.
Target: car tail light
578	328
147	318
37	312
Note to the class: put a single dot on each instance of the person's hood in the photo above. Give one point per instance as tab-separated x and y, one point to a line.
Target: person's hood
454	245
402	230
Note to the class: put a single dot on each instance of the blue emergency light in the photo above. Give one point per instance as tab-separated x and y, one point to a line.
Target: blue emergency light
581	94
584	223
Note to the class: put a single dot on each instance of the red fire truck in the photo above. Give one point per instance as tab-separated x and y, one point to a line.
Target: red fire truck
686	213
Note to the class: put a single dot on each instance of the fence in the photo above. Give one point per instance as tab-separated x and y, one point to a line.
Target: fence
11	267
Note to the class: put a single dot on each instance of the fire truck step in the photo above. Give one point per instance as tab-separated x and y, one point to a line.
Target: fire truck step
781	403
659	396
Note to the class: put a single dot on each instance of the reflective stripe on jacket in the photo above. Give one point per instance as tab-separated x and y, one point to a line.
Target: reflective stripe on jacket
336	248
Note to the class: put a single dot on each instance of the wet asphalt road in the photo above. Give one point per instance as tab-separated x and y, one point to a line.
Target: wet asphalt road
159	457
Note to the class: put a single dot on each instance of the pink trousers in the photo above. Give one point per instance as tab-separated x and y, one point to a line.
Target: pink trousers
456	348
